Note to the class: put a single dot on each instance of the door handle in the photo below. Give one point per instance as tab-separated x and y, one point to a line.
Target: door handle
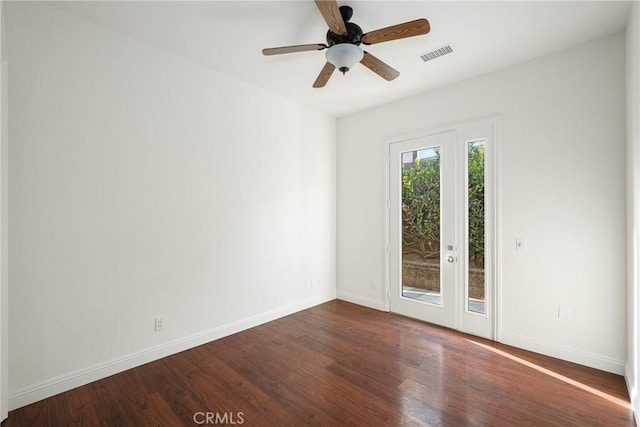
450	259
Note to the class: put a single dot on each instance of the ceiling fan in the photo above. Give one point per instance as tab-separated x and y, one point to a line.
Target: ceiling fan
344	39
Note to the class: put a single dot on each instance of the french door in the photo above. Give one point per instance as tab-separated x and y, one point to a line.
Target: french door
441	247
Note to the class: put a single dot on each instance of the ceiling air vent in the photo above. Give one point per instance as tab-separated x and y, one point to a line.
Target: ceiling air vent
436	53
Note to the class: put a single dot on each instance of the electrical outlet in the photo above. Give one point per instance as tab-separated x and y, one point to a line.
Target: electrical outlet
373	284
315	283
160	323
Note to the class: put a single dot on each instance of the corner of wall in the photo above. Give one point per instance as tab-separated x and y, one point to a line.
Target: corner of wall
633	203
362	300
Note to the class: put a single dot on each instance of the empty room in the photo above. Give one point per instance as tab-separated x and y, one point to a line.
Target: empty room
289	213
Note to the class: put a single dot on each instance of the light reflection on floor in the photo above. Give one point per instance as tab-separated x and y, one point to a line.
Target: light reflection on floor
555	375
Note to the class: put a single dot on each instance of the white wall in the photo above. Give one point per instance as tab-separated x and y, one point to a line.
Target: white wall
141	184
4	307
633	201
563	189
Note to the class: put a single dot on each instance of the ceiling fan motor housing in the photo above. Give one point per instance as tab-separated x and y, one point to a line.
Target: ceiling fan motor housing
353	36
354	32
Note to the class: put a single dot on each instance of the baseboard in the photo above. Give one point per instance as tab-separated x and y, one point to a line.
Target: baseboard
596	361
360	300
85	376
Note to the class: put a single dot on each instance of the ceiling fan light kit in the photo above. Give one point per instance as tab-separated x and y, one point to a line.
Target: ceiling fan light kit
343	56
344	39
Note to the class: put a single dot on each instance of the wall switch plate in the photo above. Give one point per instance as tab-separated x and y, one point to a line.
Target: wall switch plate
373	284
160	322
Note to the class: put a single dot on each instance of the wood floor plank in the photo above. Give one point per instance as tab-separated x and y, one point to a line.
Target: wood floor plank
340	364
80	409
276	379
260	405
166	377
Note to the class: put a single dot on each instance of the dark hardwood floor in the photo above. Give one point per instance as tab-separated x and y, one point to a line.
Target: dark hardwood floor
339	364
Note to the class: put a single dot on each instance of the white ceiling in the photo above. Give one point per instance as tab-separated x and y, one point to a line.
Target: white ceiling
228	36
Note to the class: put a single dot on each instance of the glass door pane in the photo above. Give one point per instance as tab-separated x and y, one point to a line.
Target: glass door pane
421	278
476	226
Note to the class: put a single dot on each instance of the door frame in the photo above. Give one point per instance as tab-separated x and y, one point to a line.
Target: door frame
493	168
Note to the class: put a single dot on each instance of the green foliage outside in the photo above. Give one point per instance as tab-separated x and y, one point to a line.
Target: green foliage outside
476	205
421	207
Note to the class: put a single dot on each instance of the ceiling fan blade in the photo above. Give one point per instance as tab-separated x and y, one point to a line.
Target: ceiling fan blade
324	75
331	14
395	32
379	67
291	49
